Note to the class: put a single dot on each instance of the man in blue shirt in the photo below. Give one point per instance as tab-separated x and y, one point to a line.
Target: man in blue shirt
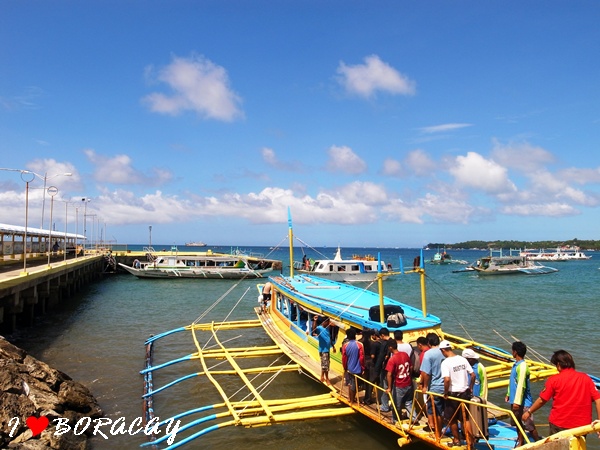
325	344
431	380
353	360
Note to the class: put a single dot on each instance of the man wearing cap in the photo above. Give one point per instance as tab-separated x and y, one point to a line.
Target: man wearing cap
459	379
480	389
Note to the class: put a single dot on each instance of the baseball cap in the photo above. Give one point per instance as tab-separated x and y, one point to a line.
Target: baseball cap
468	353
445	344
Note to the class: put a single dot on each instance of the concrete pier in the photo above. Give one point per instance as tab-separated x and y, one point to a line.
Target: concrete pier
23	296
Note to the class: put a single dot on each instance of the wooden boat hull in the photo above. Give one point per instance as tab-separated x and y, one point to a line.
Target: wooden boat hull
196	273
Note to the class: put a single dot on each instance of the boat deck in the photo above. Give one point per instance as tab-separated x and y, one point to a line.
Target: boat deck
354	301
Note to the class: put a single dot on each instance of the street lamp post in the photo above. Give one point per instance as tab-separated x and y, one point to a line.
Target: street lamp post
86	201
52	191
27	177
46	178
66	222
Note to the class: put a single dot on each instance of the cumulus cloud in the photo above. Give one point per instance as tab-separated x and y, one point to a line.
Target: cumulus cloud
196	84
392	168
553	209
55	173
373	76
473	170
343	159
580	176
444	127
270	158
119	170
420	163
521	156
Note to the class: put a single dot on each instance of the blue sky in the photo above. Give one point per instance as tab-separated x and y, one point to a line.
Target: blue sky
379	123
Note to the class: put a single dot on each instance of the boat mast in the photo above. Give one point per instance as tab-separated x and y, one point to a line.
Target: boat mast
421	271
291	239
380	289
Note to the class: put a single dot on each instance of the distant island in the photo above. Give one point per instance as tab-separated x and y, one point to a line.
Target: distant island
583	244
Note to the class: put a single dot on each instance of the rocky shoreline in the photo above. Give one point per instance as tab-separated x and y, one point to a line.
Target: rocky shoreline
30	389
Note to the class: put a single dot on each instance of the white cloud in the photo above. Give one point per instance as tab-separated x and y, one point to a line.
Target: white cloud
198	85
270	158
55	173
553	209
419	162
119	170
343	159
445	127
580	176
473	170
392	168
372	76
521	156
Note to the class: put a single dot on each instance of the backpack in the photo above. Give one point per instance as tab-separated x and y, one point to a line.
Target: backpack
415	363
396	320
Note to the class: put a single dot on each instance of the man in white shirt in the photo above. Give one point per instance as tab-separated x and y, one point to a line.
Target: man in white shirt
459	379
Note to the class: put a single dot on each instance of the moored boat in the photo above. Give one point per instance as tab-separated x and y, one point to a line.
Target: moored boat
561	254
207	265
357	269
509	265
443	258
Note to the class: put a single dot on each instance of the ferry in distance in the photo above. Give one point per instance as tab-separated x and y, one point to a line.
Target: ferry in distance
195	244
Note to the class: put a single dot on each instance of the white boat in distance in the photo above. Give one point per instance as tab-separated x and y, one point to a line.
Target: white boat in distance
356	270
208	265
195	244
560	254
505	265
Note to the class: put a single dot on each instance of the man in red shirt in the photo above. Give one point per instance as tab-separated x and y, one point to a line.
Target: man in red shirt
572	393
400	386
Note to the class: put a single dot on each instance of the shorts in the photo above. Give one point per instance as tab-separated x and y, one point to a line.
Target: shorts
351	380
439	405
325	359
451	406
529	424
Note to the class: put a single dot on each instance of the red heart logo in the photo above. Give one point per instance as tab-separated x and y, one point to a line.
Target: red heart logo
37	425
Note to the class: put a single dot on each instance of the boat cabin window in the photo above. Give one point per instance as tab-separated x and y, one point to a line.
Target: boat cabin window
355	268
341	268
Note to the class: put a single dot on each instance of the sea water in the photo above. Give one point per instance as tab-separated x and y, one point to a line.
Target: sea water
98	337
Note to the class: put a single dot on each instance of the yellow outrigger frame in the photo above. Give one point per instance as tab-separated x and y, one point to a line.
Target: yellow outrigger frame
247	413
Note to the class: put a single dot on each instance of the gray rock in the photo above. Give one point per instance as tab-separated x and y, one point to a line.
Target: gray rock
29	387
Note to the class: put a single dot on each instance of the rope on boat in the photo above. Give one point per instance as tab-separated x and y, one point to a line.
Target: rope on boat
452	311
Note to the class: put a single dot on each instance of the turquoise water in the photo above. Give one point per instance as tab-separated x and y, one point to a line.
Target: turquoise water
98	339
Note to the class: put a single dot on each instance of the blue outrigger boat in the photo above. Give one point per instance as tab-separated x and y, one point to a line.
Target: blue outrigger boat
295	301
